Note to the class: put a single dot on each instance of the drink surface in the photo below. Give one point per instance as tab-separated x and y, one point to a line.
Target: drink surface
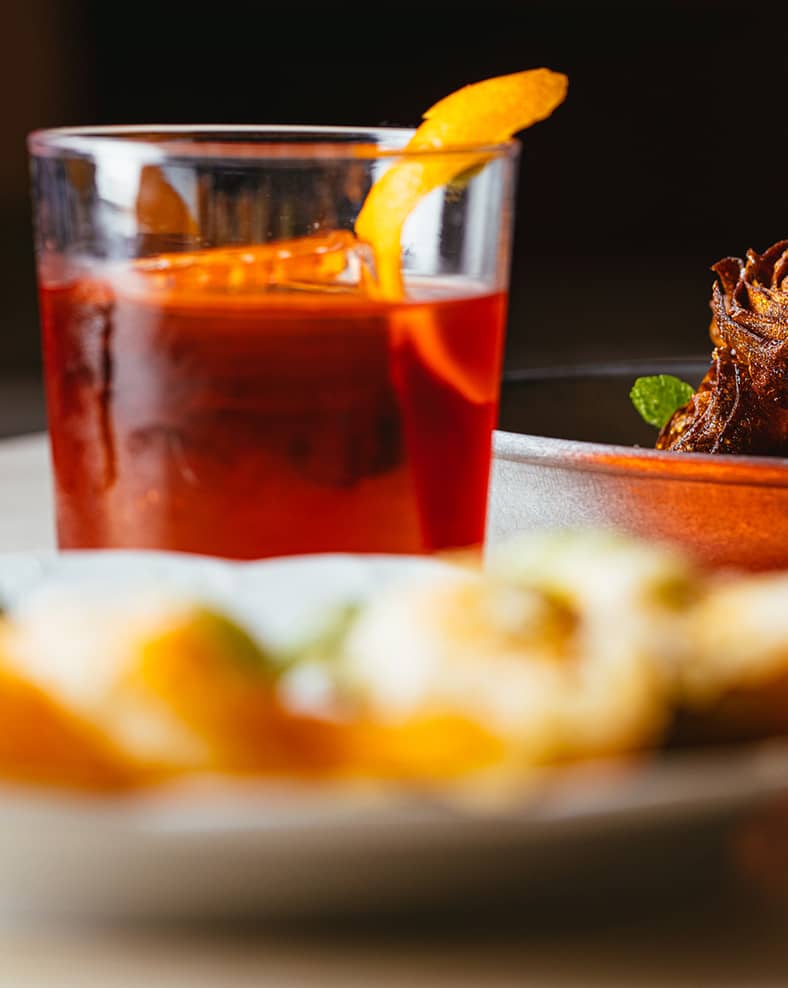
258	401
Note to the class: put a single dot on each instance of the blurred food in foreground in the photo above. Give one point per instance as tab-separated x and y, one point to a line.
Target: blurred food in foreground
741	405
569	646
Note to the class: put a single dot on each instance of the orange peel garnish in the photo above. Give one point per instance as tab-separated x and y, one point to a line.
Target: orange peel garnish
483	113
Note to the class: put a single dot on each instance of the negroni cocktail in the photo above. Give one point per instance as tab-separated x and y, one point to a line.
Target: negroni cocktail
260	400
271	340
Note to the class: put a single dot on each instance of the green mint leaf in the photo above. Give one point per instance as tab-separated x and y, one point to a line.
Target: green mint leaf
658	397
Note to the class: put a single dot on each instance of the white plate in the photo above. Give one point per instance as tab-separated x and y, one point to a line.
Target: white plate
212	848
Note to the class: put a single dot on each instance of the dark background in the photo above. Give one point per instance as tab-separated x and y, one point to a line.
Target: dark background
670	152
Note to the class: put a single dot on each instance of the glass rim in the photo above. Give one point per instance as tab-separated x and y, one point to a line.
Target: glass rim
161	142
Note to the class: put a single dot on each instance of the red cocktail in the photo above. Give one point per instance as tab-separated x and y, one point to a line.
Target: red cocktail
237	365
228	402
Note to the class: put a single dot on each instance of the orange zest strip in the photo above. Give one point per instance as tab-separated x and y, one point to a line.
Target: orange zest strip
483	113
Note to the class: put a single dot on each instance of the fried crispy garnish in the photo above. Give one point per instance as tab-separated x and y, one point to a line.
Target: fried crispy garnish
742	403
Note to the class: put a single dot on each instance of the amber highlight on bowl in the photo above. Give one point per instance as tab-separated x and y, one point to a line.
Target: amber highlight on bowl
726	510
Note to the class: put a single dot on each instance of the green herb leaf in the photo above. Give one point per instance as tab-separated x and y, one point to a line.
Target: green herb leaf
325	643
658	397
227	637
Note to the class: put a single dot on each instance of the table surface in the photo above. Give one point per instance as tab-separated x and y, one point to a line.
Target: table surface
725	934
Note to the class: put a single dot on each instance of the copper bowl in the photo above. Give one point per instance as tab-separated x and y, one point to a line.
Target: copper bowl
568	454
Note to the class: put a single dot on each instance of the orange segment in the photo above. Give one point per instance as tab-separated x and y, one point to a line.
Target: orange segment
160	208
473	374
430	747
41	742
215	679
486	112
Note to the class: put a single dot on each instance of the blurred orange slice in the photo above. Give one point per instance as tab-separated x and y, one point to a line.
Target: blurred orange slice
483	113
42	742
430	747
218	682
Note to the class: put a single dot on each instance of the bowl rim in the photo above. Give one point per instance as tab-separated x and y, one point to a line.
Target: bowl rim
639	461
